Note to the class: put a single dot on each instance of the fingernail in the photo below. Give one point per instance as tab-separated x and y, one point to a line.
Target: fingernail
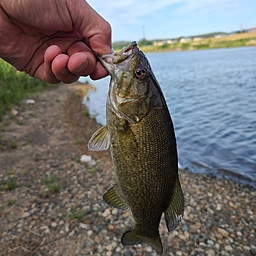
82	67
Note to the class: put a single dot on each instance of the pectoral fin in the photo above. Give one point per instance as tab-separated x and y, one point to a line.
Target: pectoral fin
113	198
174	212
100	140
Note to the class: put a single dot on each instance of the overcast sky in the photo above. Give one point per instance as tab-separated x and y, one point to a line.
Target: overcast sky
162	19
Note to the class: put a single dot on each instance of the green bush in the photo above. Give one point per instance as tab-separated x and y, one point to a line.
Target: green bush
15	86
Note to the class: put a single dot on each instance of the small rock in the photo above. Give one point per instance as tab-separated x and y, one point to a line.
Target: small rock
253	250
223	232
106	213
239	233
61	222
72	233
110	247
87	159
202	244
25	215
217	246
211	253
82	226
66	227
149	249
127	253
44	227
218	207
218	236
118	249
53	224
228	248
110	227
210	242
30	102
90	232
114	211
246	248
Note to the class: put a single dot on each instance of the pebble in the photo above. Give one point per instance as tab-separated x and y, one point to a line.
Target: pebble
253	250
106	213
83	226
149	249
127	253
223	232
211	253
66	227
218	207
54	224
228	248
25	215
90	232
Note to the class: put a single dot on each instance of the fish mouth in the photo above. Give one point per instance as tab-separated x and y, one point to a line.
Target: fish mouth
119	58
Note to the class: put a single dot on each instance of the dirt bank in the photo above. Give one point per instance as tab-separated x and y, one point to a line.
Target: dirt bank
51	203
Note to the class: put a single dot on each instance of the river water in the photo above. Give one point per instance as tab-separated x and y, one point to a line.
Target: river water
211	96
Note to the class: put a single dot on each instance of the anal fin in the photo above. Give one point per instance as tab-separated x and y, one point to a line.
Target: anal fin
174	212
113	198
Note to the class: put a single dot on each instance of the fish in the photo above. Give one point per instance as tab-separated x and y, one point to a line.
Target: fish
140	134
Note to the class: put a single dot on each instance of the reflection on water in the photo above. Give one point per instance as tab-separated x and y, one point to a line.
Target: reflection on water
212	99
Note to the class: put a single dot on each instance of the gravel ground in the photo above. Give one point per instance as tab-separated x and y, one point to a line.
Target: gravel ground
51	203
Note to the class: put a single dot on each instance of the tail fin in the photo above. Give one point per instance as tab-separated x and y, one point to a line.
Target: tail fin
130	237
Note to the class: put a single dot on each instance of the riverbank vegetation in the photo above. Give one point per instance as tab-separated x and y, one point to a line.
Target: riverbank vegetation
195	43
15	86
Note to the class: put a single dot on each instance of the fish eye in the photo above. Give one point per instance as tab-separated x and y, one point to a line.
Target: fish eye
140	73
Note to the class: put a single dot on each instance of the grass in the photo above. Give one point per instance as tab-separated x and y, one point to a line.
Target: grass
75	214
9	184
52	183
86	113
13	145
79	142
11	201
15	86
92	169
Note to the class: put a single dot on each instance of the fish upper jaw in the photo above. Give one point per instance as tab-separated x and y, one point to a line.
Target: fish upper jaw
119	60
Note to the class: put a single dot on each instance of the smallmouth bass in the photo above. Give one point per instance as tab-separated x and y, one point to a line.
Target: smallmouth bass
140	134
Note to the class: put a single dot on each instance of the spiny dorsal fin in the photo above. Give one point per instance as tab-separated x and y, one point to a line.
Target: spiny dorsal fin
100	140
174	212
113	198
130	237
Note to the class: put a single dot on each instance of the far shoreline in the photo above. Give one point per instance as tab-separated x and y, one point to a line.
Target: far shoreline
230	41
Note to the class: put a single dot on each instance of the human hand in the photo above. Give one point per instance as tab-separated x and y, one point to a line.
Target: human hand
53	40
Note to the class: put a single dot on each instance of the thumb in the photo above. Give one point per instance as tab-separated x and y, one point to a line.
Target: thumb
92	26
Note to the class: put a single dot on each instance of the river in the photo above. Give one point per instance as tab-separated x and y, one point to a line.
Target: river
211	96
